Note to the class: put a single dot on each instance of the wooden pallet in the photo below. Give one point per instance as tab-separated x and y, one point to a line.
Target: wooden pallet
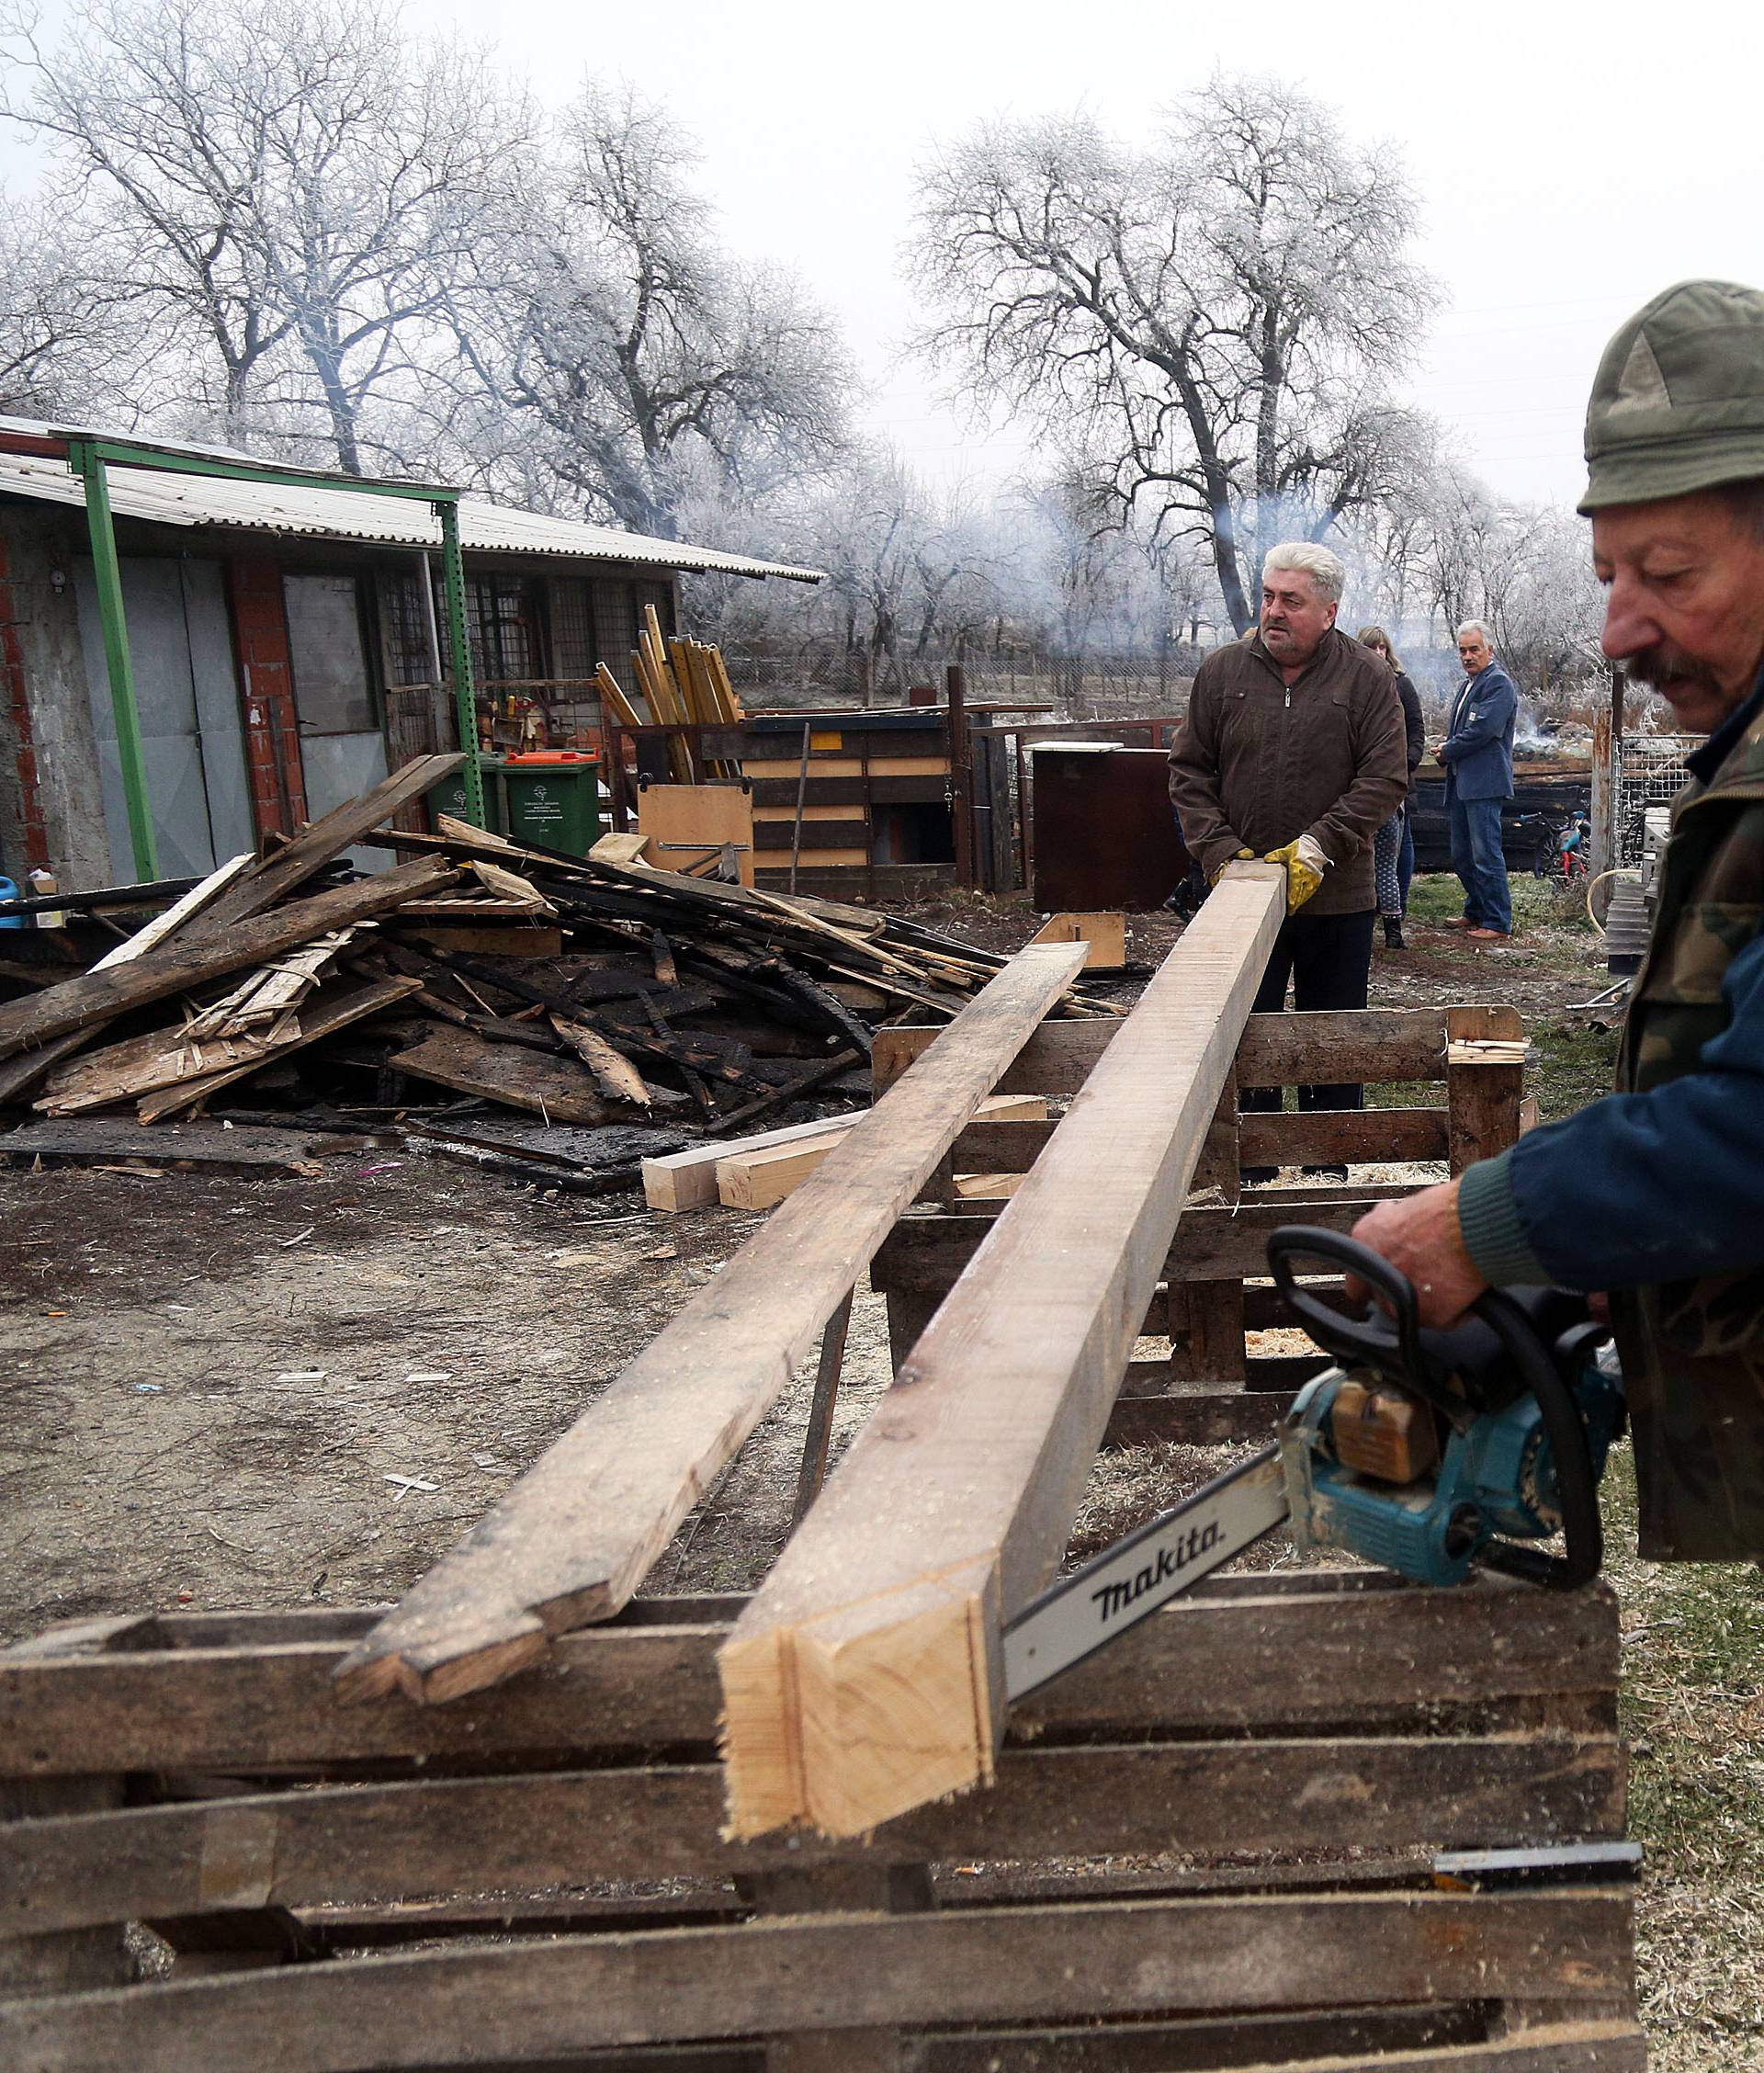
1209	1388
1209	1847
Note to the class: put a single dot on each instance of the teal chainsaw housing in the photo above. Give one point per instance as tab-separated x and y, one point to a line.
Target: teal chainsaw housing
1496	1480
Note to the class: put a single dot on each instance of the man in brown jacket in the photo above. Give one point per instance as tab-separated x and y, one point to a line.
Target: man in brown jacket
1293	749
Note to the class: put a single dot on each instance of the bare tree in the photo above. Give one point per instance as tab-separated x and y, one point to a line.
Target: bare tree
62	347
1212	325
631	356
283	193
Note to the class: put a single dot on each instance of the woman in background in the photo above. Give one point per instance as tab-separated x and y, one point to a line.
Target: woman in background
1394	851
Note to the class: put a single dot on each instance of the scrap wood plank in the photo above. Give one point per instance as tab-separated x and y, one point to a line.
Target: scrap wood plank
866	1676
1104	932
577	1534
164	1057
243	1149
276	877
1277	1050
236	1693
316	1019
194	901
95	996
555	1088
352	1842
553	1999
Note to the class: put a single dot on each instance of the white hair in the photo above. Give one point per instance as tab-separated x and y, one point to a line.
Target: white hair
1478	626
1325	570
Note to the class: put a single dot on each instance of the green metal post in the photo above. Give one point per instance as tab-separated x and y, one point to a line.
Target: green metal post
460	644
108	574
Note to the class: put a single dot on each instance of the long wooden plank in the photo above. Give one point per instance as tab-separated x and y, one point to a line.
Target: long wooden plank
1277	1050
247	1692
577	1534
465	2005
278	875
357	1844
867	1678
95	996
181	912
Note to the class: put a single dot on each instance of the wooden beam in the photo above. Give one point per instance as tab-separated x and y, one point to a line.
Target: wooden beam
867	1678
95	996
276	877
575	1536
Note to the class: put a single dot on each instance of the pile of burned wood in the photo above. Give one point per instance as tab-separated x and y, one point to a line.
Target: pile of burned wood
581	991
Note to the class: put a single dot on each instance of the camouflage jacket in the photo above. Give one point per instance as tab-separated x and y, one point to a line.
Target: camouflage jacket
1657	1193
1692	1347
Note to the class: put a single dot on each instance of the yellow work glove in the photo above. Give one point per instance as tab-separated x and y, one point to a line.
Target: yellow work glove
1243	855
1305	864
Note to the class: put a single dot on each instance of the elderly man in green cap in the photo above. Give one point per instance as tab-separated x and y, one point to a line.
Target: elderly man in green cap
1656	1193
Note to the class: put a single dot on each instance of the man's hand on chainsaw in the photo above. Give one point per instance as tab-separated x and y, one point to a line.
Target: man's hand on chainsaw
1306	862
1420	1237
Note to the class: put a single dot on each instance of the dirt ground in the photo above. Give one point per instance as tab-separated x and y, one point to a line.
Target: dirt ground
212	1385
268	1392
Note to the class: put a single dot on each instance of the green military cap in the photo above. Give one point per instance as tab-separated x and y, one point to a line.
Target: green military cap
1677	403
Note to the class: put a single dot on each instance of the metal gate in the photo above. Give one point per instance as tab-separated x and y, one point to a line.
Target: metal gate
188	694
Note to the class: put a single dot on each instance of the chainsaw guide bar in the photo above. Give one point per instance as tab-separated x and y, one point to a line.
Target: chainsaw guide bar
1082	1611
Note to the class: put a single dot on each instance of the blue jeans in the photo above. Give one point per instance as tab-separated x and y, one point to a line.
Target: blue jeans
1476	858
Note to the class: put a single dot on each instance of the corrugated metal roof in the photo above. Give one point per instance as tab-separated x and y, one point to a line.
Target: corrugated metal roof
170	499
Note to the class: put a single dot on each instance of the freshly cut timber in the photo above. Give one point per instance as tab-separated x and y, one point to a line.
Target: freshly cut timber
866	1677
576	1536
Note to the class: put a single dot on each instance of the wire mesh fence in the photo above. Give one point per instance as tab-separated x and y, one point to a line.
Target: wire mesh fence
1650	773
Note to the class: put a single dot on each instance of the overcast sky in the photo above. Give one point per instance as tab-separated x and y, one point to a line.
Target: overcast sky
1571	161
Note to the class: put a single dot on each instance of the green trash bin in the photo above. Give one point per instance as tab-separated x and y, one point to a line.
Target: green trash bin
552	797
449	795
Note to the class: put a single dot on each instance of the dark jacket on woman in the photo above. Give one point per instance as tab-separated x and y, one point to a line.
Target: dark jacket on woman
1258	763
1413	724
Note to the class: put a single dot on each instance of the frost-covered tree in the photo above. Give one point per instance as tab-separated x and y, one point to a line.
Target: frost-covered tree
1215	324
623	350
279	195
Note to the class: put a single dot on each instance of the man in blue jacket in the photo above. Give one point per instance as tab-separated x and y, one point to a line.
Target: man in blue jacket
1656	1195
1477	753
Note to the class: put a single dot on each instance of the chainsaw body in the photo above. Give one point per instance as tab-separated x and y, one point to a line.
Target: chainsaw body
1431	1452
1494	1481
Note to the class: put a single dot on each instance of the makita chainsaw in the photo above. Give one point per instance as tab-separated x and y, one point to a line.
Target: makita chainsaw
1430	1453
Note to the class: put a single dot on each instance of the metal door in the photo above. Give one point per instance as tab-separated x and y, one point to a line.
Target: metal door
343	746
187	696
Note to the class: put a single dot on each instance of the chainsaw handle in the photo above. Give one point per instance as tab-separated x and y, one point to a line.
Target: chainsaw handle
1577	1486
1374	1340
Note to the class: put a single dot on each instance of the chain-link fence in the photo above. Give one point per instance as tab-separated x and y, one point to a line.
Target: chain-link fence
1650	773
1093	685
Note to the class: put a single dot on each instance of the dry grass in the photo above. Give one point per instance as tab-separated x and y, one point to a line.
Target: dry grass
1694	1717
